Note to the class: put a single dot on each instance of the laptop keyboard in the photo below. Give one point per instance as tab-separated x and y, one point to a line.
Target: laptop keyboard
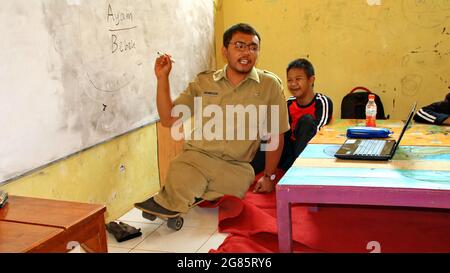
370	147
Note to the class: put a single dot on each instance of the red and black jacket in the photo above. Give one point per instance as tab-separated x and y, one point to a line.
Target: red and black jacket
320	108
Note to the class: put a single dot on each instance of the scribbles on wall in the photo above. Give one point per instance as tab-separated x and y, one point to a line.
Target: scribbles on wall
76	73
428	14
411	84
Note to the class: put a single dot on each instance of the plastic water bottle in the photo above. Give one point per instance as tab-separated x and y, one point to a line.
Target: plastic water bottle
371	111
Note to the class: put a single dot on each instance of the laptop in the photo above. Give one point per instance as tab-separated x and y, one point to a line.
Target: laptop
372	149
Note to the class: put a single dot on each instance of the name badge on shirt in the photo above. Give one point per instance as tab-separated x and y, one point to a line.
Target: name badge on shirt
210	93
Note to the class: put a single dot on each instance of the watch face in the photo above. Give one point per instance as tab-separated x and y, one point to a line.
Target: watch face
271	177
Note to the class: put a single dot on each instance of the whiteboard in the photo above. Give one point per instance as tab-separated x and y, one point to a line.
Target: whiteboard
76	73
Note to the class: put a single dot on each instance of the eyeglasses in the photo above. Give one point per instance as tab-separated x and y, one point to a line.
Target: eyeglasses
241	46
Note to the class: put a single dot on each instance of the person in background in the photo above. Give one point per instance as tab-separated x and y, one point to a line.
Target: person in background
308	113
436	113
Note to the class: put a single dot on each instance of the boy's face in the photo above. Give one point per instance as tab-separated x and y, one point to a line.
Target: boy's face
298	83
242	52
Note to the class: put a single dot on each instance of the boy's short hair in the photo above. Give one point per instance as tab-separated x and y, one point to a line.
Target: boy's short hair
302	64
241	27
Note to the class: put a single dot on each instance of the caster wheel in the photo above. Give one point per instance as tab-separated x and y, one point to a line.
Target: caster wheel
149	216
175	223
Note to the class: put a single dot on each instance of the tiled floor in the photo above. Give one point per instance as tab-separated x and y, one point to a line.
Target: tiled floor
198	235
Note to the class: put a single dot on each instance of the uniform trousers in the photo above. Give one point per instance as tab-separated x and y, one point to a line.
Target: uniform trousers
195	174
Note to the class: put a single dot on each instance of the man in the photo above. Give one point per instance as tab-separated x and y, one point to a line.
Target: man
436	113
308	113
210	168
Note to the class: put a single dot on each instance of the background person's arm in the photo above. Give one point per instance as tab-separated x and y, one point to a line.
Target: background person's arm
436	113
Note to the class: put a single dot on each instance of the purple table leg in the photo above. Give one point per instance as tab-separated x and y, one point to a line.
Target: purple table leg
284	221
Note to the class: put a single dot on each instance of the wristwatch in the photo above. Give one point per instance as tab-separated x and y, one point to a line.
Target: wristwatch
271	177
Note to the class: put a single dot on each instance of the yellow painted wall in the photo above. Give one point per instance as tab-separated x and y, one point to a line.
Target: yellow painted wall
399	49
96	176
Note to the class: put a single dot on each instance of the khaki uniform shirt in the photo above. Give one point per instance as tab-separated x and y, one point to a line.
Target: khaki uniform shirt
260	88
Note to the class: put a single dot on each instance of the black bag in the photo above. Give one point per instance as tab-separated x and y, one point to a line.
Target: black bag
353	105
123	231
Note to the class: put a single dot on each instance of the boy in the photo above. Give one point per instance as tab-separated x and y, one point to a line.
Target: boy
308	113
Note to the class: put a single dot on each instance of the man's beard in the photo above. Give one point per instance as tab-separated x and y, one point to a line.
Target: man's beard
242	70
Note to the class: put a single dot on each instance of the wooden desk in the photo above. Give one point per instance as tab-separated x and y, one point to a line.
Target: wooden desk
42	225
417	176
19	237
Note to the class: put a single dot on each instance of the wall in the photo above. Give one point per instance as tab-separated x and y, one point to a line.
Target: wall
398	49
117	174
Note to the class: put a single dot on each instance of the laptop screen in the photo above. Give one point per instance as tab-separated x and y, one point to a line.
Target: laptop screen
411	114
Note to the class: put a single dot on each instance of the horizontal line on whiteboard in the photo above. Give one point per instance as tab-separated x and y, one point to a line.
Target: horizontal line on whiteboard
105	90
120	29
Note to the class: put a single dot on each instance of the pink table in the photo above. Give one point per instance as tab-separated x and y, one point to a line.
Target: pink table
418	176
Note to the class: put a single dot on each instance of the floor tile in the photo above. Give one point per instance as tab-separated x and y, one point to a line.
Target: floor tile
113	249
198	234
145	251
213	242
201	217
186	240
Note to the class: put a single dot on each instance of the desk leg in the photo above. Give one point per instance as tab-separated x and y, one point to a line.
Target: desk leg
284	221
98	243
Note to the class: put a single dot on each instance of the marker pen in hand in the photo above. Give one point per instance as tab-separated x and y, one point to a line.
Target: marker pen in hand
161	54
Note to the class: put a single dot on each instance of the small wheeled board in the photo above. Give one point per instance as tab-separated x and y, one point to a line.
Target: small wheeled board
174	222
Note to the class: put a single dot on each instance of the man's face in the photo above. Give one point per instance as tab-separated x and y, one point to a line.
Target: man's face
242	52
298	83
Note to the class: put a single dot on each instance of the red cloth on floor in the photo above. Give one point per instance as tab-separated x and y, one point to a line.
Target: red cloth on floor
252	227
